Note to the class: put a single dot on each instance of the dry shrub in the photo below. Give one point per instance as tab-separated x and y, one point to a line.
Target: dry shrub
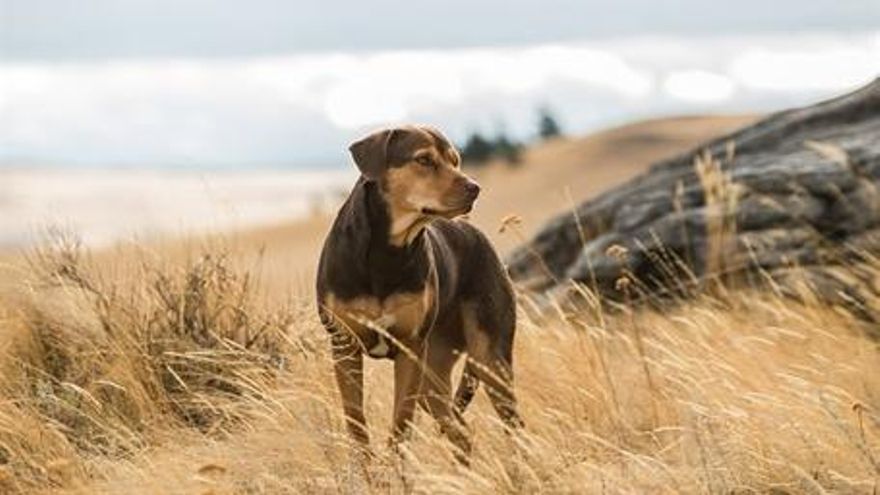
96	367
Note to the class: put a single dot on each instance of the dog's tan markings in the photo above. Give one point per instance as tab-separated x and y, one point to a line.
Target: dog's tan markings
412	188
401	315
453	157
490	368
477	340
448	153
429	152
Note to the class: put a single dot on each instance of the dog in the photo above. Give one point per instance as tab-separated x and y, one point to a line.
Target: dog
401	277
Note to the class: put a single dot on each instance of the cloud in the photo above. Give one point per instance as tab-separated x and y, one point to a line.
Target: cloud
831	67
699	86
303	109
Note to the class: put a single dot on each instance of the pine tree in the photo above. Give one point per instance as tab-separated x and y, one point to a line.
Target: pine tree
506	149
548	128
476	149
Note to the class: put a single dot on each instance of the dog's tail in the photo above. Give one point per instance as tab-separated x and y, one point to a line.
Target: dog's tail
467	387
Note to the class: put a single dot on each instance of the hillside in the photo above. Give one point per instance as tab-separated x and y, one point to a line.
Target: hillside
535	190
198	366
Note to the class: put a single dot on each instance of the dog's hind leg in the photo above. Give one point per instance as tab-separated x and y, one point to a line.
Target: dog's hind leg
490	360
497	374
467	387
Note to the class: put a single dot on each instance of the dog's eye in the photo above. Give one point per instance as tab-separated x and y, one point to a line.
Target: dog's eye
425	160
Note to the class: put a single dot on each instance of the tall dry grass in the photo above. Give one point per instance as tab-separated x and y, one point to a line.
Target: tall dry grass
720	195
95	366
178	378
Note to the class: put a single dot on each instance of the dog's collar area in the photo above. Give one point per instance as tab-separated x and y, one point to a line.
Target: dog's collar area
406	227
444	213
432	212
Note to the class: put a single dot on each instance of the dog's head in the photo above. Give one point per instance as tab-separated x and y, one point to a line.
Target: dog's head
418	171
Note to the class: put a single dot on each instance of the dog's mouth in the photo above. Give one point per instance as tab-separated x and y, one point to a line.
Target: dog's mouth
448	213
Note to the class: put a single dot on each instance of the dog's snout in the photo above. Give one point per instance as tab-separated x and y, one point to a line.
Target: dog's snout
472	189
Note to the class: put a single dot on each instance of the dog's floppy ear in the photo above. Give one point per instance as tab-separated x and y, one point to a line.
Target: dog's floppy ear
370	153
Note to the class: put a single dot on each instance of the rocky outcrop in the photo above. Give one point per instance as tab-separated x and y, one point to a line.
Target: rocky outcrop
799	188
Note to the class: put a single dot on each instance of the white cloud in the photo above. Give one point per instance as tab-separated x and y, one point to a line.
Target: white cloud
699	86
297	108
589	66
817	68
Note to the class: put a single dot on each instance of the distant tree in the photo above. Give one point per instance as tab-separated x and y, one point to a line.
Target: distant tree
477	149
548	127
507	149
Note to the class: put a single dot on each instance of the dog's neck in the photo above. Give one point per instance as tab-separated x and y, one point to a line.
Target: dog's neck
406	225
359	256
388	265
398	225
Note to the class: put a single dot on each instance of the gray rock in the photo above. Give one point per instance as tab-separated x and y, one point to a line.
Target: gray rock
800	188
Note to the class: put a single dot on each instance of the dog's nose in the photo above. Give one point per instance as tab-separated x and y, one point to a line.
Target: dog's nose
472	189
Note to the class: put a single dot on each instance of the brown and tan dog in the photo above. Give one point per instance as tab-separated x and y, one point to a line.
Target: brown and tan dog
401	278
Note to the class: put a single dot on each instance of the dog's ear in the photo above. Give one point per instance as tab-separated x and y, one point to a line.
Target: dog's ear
370	153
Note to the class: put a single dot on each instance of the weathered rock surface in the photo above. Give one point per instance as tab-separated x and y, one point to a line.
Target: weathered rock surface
797	188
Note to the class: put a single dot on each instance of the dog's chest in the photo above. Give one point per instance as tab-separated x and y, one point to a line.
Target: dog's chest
401	314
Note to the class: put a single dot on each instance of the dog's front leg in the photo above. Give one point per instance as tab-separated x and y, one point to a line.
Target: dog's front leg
408	370
348	361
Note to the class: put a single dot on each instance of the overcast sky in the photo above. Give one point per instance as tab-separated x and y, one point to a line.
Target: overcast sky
75	29
277	82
